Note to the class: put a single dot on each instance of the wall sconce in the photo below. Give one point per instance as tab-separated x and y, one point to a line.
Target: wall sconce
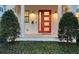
32	17
32	11
77	14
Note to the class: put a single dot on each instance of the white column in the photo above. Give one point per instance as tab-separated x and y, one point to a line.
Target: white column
22	21
59	12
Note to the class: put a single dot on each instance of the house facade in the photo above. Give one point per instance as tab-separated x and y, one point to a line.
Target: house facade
38	21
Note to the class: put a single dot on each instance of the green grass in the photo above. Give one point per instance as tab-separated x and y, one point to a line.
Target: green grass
40	48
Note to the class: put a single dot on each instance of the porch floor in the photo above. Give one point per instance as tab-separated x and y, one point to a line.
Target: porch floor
38	35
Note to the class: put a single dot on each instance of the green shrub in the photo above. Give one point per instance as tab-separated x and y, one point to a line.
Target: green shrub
77	36
68	26
9	26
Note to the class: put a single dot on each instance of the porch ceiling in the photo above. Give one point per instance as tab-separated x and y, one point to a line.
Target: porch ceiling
41	7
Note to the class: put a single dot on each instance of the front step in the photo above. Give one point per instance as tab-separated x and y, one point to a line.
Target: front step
37	39
33	35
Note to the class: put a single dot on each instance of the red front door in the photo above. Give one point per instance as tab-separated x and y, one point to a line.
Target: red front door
44	21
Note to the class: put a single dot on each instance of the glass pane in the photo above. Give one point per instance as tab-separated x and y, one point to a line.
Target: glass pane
46	18
46	23
26	19
26	13
46	13
39	21
46	28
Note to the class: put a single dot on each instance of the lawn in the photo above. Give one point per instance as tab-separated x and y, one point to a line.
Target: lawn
40	48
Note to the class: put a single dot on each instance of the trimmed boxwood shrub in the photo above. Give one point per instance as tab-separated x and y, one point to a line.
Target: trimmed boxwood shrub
10	28
68	26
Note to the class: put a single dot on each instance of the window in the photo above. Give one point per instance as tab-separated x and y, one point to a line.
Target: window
77	15
26	16
1	9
